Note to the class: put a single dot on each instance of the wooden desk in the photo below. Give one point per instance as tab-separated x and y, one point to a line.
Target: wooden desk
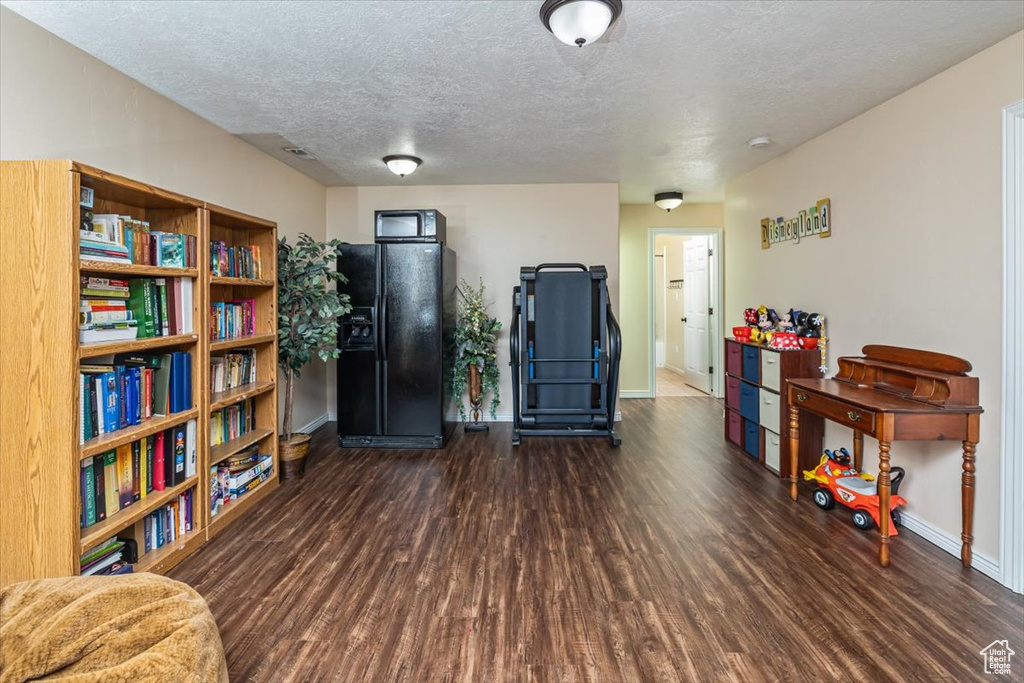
895	394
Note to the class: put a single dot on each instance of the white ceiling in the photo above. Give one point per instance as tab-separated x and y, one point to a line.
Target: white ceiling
484	94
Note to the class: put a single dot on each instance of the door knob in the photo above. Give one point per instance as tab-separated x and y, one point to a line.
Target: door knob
683	319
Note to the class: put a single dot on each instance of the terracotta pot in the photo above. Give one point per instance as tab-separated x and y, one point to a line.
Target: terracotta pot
292	455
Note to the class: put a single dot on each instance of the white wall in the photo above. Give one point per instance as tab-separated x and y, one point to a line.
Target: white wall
914	260
58	102
496	229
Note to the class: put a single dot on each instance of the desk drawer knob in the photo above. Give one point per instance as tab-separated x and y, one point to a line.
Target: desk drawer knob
801	397
853	416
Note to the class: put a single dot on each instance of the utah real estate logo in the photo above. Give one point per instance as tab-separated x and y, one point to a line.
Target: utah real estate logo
997	657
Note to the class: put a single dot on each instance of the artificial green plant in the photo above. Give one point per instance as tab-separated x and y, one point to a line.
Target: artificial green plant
476	335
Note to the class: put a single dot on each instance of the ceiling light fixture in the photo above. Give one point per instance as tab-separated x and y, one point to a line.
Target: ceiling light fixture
402	164
578	22
668	200
759	142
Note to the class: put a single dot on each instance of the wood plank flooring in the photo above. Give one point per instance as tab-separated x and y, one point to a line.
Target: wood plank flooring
672	558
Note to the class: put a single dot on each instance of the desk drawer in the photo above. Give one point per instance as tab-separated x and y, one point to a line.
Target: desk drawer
769	410
837	411
733	358
732	392
772	449
770	363
749	401
751	363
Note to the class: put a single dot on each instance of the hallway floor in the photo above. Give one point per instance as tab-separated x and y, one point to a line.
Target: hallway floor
670	383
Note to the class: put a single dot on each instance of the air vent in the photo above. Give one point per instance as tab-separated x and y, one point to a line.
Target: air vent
301	153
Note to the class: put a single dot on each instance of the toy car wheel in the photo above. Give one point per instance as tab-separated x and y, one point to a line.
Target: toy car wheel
823	499
897	518
862	520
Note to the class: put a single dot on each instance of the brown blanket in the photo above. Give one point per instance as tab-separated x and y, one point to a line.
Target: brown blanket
108	629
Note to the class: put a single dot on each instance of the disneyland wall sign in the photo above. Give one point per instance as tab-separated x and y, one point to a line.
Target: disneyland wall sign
817	220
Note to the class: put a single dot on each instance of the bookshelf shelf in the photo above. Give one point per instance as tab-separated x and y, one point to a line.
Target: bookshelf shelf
129	269
162	559
240	281
223	399
237	507
228	448
106	442
97	533
248	340
147	344
41	459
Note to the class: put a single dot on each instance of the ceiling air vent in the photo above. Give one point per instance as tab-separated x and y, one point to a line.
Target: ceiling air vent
302	153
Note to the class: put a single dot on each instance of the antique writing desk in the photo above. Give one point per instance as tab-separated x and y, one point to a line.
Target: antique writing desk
895	394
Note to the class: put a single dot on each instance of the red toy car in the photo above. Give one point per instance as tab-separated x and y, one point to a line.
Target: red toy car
838	480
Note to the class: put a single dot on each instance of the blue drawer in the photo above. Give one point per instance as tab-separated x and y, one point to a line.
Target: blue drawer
750	402
752	363
752	439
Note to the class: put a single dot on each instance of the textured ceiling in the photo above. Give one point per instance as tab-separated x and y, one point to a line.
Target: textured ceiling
484	94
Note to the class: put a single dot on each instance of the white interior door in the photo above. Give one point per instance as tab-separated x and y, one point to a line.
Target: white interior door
696	302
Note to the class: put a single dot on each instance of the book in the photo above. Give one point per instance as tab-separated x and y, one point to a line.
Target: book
161	288
162	386
191	457
150	465
92	335
159	467
136	471
99	475
124	476
112	499
179	454
140	304
88	493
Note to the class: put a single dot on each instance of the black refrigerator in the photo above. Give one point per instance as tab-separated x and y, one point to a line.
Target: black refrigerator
396	345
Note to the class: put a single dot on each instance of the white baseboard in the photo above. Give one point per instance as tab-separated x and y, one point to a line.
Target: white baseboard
672	368
951	545
635	393
315	424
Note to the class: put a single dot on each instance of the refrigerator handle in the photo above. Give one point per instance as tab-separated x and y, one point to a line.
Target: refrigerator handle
382	337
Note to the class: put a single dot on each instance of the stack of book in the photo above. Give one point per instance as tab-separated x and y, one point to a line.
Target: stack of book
162	306
115	480
232	422
106	559
232	319
123	390
169	523
232	370
230	261
123	239
235	477
103	313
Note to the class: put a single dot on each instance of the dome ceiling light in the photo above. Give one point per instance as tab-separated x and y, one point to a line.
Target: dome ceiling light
578	22
402	164
668	200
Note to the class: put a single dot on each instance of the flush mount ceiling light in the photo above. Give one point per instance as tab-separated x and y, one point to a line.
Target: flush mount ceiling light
402	164
578	22
668	200
759	142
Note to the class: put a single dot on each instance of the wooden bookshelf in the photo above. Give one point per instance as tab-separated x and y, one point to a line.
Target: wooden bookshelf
225	450
40	453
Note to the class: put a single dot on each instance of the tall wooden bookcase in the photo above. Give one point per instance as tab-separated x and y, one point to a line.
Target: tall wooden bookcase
40	453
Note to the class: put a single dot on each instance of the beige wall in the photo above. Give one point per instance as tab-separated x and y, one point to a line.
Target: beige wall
495	229
915	259
635	221
58	102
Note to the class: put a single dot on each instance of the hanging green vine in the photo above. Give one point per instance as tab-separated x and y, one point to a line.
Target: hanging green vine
476	335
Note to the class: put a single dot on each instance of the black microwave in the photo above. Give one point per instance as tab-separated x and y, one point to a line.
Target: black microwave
410	225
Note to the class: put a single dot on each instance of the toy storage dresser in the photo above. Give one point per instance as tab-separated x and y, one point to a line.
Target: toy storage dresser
757	414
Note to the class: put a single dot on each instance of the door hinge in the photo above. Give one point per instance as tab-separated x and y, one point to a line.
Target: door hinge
711	252
711	310
711	370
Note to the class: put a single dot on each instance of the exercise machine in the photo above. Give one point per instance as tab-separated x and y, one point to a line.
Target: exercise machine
564	349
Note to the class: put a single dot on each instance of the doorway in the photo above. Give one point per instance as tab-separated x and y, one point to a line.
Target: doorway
685	296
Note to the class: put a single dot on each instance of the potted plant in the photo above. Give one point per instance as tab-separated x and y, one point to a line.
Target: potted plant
476	334
308	310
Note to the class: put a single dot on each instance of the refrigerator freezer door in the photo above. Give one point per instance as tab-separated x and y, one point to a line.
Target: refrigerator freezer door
411	341
359	367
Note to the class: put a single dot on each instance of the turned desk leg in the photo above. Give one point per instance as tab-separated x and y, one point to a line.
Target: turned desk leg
883	502
794	448
967	503
858	449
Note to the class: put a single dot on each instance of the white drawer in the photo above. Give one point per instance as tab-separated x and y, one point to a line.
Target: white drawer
768	413
770	364
772	442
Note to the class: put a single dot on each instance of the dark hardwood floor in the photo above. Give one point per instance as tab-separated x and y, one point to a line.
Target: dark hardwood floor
672	558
